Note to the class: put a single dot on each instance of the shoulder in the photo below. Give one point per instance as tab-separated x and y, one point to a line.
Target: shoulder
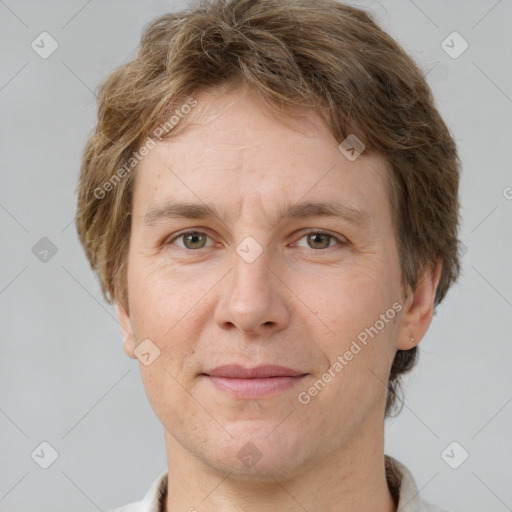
403	485
151	501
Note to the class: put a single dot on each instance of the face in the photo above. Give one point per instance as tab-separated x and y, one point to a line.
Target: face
279	286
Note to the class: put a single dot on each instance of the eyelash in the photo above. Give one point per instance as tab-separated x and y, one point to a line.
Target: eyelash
340	242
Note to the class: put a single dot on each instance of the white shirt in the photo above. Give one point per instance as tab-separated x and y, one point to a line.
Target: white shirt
400	481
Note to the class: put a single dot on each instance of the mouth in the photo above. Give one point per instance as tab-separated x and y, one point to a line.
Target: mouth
253	383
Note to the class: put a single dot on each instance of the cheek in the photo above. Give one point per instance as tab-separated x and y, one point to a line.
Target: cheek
166	312
356	342
359	354
346	300
160	298
170	321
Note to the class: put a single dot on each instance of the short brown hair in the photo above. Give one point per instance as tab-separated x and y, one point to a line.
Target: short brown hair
323	55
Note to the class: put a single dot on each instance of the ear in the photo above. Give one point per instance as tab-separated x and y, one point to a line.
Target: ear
419	308
126	329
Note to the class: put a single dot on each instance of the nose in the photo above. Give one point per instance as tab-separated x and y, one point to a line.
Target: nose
253	299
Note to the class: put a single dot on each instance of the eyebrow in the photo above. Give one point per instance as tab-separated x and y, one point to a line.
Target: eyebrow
301	210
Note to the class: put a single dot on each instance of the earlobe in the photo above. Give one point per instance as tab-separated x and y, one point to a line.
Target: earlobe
127	331
419	309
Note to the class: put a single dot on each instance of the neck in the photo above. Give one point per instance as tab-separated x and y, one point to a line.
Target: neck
353	477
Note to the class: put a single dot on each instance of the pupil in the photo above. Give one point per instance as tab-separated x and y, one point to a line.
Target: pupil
194	238
317	238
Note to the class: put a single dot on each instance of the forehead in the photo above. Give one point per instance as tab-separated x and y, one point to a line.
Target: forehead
234	149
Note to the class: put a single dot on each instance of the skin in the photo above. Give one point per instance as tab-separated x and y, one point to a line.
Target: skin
299	304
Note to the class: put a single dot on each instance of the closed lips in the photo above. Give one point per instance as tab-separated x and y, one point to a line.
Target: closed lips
258	372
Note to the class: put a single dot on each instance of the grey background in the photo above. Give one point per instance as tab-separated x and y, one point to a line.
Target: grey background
64	377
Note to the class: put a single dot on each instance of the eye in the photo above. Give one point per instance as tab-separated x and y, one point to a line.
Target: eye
320	240
191	240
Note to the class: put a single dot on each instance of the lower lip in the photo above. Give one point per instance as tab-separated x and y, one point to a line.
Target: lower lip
254	388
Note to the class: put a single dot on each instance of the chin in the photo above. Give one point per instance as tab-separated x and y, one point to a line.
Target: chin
256	453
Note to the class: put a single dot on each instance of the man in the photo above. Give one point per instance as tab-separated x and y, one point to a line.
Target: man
271	200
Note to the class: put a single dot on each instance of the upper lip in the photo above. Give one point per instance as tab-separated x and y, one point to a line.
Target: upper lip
235	371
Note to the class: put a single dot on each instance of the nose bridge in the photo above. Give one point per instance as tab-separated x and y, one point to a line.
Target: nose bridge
251	274
252	300
251	270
